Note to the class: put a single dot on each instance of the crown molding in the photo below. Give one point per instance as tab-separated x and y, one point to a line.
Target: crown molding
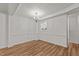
66	10
17	9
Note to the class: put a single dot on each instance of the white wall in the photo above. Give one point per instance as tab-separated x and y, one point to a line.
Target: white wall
56	31
3	30
21	30
74	28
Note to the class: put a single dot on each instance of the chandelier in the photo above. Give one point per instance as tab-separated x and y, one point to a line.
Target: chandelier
36	17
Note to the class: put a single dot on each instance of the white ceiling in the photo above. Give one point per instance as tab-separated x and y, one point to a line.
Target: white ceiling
25	9
76	10
12	8
8	8
44	8
3	7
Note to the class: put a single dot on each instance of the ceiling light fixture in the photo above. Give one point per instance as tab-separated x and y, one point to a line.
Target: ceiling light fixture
36	17
36	14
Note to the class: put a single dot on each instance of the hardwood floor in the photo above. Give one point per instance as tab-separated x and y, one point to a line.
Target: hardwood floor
40	48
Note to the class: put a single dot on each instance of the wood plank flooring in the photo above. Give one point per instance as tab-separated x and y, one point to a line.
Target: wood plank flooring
40	48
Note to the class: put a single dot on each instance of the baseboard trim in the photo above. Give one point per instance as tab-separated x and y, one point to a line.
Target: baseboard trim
74	42
13	44
66	46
